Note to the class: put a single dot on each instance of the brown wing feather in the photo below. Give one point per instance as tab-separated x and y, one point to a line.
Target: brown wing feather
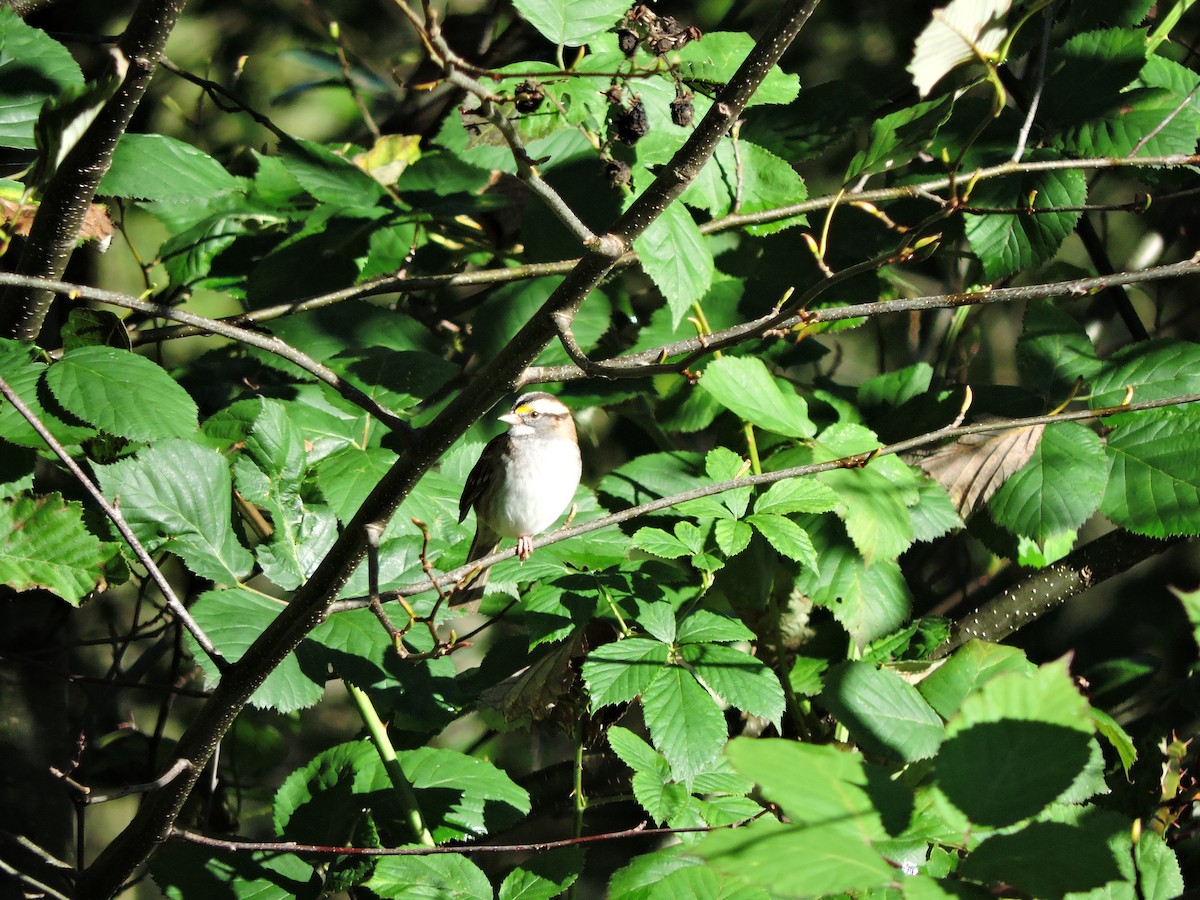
477	480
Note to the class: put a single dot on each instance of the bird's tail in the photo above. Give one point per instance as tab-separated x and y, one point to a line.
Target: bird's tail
470	590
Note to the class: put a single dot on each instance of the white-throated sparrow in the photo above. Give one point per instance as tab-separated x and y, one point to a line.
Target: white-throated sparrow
524	480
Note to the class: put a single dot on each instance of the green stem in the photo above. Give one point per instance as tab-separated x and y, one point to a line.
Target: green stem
752	447
580	796
1168	22
383	744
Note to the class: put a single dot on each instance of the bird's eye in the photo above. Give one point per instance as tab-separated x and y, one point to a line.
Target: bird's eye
533	414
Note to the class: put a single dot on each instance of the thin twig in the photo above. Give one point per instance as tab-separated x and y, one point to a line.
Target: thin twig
270	343
631	365
411	284
858	460
242	846
114	515
455	73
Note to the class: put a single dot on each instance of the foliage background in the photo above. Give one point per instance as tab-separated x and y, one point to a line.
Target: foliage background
1132	640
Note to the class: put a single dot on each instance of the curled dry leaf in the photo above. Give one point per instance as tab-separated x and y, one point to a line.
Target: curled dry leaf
972	468
17	218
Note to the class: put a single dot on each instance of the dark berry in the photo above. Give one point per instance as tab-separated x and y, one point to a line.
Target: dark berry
529	96
627	41
632	125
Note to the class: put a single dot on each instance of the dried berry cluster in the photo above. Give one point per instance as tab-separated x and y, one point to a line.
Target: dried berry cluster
658	34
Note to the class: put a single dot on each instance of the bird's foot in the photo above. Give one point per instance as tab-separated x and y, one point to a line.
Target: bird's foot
524	547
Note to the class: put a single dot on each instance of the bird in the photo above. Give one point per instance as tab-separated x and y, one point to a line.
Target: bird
524	480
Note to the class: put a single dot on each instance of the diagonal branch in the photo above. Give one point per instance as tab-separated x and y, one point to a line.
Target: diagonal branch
55	230
121	525
309	607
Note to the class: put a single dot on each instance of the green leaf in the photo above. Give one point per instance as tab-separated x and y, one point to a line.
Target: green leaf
177	869
1154	472
786	537
23	372
676	257
685	724
1044	859
870	600
1026	735
732	536
1117	737
330	177
660	543
710	62
1023	219
1054	350
156	167
897	387
744	385
884	713
737	678
478	788
543	876
873	501
233	619
963	31
178	496
935	514
1090	70
790	861
749	174
897	137
1155	370
448	877
622	670
33	68
269	468
1140	122
796	495
658	619
1158	873
571	22
703	626
122	393
66	117
837	805
966	671
45	544
1058	489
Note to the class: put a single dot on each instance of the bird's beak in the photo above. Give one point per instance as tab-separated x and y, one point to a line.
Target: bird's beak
510	419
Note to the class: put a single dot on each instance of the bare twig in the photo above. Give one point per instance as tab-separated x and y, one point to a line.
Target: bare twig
630	365
114	515
264	342
642	830
411	284
858	460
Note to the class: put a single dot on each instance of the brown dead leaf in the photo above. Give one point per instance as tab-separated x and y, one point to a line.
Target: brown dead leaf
972	468
97	224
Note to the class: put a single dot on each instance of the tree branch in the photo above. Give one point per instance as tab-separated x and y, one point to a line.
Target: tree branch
411	284
55	230
858	460
632	365
214	326
121	525
1039	592
309	606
